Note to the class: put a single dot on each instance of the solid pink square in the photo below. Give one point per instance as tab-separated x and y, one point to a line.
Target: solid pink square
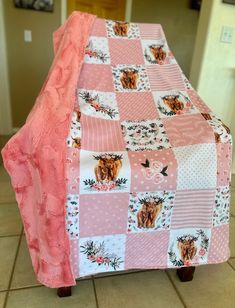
72	170
224	162
219	246
136	106
96	77
125	51
101	135
74	256
99	28
188	129
140	182
147	250
103	214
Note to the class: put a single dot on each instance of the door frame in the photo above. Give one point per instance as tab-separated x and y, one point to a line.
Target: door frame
64	10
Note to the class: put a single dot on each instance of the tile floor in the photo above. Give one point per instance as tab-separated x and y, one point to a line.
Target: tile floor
213	285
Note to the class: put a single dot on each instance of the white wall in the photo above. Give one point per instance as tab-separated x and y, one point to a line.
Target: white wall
213	65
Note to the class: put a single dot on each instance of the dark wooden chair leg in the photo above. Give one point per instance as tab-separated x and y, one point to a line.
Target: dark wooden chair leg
186	273
64	291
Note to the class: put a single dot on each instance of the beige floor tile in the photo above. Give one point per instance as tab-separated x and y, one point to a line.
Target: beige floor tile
24	274
212	286
83	296
10	220
7	195
231	261
232	237
4	177
139	290
2	298
8	246
233	180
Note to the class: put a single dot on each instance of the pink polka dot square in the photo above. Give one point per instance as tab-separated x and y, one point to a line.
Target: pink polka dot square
224	162
147	250
72	170
104	214
153	170
144	106
101	135
74	256
96	77
198	102
187	130
125	51
219	246
99	28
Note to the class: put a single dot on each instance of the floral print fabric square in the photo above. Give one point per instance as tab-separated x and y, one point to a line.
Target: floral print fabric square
72	213
221	208
145	135
97	51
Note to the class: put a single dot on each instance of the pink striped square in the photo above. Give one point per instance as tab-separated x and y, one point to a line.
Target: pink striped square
136	106
103	214
193	209
153	170
187	130
99	28
96	77
224	162
165	77
219	246
147	250
72	170
151	31
125	51
198	102
101	135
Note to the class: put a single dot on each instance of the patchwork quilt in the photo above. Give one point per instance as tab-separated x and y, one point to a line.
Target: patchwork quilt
148	163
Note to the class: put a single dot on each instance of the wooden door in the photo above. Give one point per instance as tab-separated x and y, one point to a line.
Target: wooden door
108	9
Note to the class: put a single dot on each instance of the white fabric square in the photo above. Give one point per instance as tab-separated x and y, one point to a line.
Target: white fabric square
74	137
104	172
97	51
101	254
197	166
72	214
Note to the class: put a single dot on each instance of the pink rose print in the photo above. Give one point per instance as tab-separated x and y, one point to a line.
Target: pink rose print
92	258
202	252
158	178
100	260
157	165
186	263
148	173
154	171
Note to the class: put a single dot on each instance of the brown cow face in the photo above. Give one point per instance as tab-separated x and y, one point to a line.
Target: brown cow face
76	143
158	53
149	212
108	168
129	78
121	28
173	102
187	248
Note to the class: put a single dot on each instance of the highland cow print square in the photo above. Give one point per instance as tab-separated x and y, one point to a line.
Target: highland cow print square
100	77
188	247
130	78
150	211
98	104
104	172
97	51
74	137
157	52
72	215
101	254
147	250
145	135
153	170
72	170
222	206
197	166
125	51
173	103
120	29
103	214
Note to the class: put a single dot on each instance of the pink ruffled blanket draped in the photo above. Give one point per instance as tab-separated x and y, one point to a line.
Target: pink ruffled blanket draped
35	157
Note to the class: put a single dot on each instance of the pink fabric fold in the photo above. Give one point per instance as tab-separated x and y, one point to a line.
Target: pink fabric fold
35	157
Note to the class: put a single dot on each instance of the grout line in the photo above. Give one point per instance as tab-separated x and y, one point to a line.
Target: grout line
230	265
124	273
26	287
13	268
10	235
96	298
176	290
